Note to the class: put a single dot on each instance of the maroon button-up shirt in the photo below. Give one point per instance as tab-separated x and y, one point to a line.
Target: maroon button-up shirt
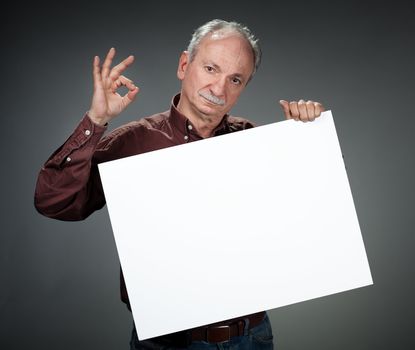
69	187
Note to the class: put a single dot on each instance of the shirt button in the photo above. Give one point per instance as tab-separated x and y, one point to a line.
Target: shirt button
87	132
68	159
186	137
190	127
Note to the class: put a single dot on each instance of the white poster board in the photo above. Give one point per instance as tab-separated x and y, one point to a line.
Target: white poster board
234	224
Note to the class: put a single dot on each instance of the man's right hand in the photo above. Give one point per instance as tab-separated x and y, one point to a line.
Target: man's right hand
106	102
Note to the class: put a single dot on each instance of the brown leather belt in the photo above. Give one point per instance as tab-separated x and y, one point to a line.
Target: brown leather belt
224	331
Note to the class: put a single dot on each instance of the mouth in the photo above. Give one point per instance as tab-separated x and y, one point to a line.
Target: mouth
212	99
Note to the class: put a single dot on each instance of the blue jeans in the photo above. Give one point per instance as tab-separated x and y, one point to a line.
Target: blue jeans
257	338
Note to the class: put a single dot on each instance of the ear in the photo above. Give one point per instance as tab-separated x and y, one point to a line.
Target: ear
183	62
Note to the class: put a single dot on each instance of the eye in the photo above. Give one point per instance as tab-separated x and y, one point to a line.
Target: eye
209	69
236	81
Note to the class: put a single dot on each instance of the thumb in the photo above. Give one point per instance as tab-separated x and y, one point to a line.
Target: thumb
286	108
133	93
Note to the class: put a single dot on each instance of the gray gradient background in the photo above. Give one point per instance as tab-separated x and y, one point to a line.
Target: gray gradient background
59	280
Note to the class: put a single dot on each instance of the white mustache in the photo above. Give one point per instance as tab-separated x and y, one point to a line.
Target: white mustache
212	98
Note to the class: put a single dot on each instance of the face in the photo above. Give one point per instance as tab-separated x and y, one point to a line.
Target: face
214	79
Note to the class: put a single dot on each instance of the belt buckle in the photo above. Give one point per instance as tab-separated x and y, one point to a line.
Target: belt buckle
219	327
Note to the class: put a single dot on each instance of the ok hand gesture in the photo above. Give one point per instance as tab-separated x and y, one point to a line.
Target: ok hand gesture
106	102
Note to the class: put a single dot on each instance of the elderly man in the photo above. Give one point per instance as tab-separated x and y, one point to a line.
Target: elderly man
220	60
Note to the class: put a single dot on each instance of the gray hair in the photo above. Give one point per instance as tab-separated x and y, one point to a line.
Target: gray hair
232	27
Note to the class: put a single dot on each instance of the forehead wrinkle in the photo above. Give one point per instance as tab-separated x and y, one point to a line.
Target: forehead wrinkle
230	59
223	57
237	60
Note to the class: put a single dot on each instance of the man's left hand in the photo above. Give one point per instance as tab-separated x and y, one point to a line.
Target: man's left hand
302	110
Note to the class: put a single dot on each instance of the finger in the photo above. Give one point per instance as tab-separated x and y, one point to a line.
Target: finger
294	110
132	93
127	82
130	96
310	110
122	81
107	63
318	108
295	114
286	108
96	72
302	109
121	67
133	90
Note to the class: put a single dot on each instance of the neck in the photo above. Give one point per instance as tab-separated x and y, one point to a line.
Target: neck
204	124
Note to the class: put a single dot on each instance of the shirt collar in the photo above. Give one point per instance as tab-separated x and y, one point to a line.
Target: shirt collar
183	124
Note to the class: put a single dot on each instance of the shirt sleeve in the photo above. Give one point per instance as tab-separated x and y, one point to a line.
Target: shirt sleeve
68	185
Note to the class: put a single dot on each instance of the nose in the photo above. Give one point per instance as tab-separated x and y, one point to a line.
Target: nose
218	87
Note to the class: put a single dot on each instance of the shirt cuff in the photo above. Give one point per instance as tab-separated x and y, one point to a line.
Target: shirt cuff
86	136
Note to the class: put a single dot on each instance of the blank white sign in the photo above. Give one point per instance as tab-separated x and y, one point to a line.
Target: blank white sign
234	224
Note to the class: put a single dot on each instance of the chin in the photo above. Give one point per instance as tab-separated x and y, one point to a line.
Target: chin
211	113
212	108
